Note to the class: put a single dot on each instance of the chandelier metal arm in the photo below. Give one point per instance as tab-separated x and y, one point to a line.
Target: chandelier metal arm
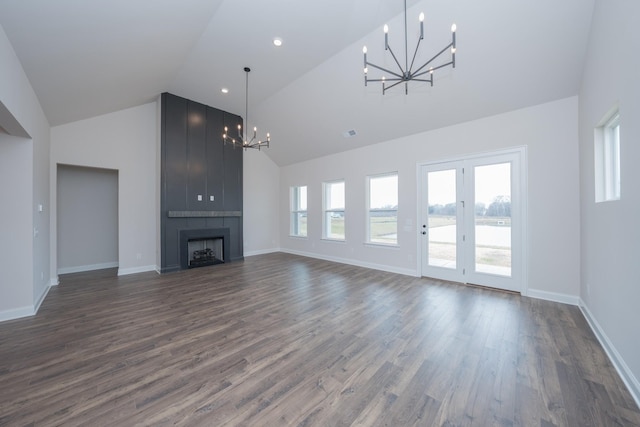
396	59
430	80
387	80
415	53
430	70
386	88
407	73
435	57
385	70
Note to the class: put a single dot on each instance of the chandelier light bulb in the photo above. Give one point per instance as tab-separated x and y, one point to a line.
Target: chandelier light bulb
366	70
364	49
421	17
386	37
453	28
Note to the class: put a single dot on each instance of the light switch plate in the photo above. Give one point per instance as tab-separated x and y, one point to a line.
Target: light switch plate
199	197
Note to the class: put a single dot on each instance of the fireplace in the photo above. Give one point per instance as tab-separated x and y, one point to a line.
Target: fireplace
202	247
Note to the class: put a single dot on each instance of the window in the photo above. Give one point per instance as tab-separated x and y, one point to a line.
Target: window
299	211
382	215
333	207
607	158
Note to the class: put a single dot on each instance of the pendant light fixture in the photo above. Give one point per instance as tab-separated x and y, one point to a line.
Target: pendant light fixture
243	140
408	73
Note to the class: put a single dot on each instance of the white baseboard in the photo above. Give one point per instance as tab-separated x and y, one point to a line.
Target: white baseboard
16	313
38	303
91	267
627	376
387	268
134	270
553	296
261	252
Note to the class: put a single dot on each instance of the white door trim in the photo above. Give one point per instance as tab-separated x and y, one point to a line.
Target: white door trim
521	152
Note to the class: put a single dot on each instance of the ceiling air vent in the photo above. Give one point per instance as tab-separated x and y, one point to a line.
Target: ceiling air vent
350	133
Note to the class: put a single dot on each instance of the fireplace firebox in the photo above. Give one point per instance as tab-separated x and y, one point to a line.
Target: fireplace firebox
202	247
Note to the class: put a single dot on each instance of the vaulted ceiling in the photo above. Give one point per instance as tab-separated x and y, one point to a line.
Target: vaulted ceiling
86	58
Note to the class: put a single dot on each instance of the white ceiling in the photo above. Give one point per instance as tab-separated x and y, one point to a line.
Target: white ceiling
90	57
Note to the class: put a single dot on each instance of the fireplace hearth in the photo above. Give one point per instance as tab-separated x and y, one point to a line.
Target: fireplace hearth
203	247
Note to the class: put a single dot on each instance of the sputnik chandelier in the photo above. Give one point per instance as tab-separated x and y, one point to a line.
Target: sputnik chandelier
243	140
408	73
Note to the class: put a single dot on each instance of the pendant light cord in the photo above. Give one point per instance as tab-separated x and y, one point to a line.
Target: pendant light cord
246	102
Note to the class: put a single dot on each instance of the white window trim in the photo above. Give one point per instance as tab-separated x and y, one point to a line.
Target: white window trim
294	212
368	241
607	158
325	211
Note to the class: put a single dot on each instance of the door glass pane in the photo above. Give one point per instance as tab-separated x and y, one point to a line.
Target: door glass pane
442	218
492	214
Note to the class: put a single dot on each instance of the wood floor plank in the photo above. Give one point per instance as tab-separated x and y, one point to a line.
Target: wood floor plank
283	340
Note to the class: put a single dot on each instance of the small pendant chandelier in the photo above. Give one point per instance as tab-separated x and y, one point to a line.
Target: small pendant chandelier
243	140
408	73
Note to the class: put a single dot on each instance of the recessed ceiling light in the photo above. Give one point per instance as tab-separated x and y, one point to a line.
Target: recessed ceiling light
224	90
277	41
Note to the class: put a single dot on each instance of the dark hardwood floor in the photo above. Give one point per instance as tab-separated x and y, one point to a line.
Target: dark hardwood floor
281	340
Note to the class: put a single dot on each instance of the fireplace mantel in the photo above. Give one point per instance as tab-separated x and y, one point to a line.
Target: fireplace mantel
203	214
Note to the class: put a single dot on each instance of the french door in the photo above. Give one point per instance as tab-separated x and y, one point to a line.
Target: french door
472	220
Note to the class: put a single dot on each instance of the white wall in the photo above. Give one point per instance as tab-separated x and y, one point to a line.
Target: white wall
87	219
24	174
260	195
550	133
124	141
16	241
610	234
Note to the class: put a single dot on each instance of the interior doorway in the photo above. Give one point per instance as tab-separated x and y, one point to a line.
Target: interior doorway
87	218
473	220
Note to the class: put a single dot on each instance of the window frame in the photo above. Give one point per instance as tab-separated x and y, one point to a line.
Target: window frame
295	210
369	210
326	212
607	158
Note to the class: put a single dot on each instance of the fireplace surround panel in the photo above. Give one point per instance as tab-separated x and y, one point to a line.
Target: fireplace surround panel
201	179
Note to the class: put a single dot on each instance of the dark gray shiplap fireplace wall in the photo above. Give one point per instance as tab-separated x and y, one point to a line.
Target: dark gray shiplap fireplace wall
201	177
